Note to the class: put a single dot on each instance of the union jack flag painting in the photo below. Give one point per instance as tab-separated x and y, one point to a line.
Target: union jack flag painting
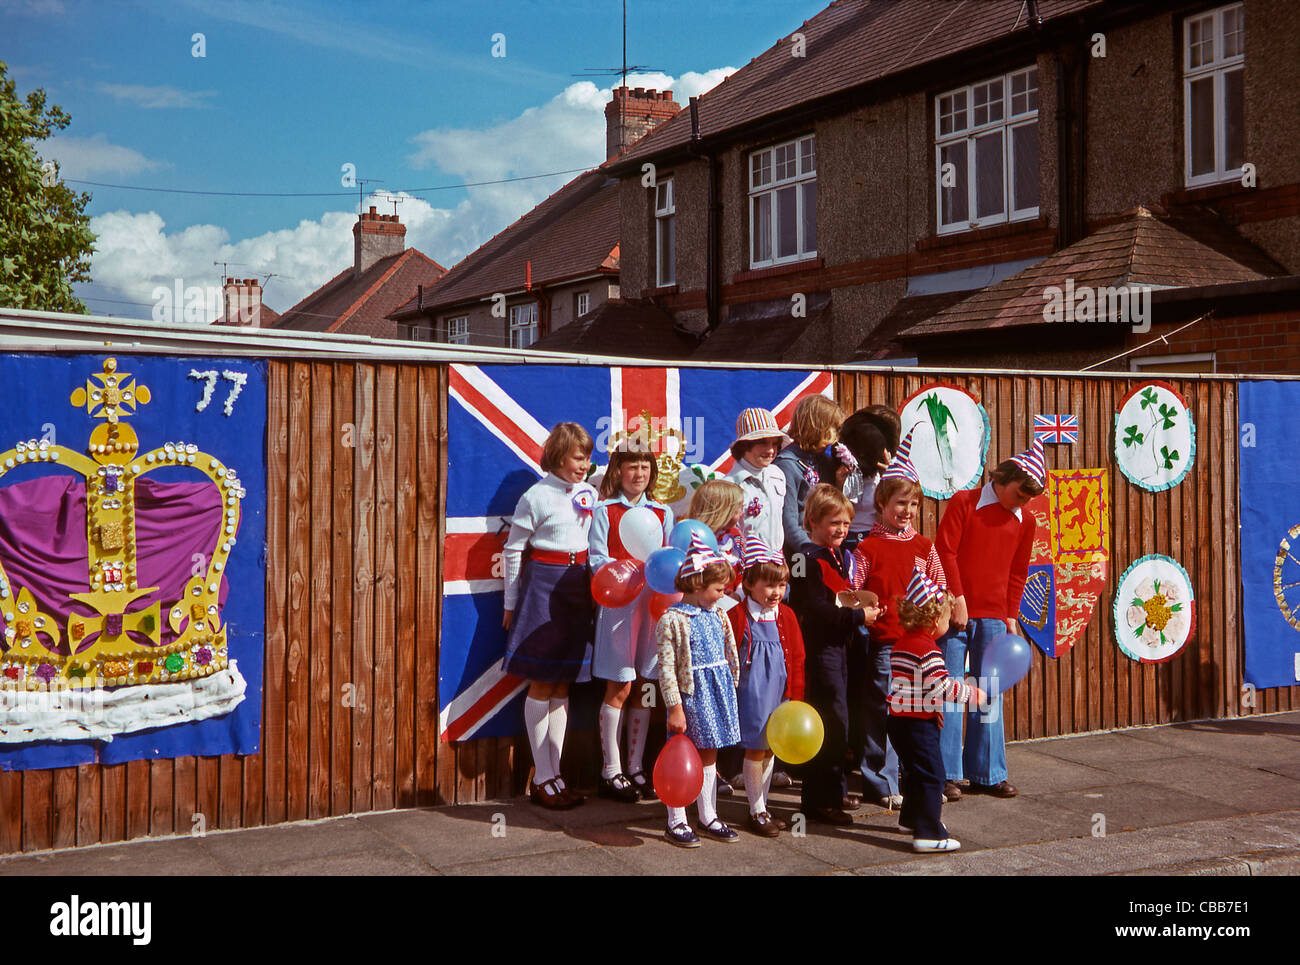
1060	429
497	422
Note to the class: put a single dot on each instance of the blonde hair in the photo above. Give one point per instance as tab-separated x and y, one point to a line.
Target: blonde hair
716	503
891	487
914	617
564	438
816	422
823	501
612	484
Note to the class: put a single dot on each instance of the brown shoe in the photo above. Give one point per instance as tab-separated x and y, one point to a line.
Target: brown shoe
851	802
572	796
831	816
763	825
548	795
1001	789
951	792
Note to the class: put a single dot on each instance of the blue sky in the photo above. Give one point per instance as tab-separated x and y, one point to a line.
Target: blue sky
288	92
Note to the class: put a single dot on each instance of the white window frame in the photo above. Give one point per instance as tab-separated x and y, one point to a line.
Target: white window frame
1217	68
1157	362
768	174
523	325
665	228
581	304
1010	120
458	330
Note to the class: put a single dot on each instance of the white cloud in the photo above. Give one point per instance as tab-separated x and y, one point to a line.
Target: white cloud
81	157
135	254
156	97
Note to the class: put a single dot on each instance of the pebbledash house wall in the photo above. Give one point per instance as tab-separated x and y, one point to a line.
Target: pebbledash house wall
488	330
876	203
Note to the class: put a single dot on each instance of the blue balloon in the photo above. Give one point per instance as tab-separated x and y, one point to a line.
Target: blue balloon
680	537
661	569
1005	662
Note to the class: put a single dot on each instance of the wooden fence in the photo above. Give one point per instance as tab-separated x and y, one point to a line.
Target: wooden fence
355	488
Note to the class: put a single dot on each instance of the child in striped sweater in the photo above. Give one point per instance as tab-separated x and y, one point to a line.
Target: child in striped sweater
919	688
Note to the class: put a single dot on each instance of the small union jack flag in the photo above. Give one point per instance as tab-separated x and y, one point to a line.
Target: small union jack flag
1056	428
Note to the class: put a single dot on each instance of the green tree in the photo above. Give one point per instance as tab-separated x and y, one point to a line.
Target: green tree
45	236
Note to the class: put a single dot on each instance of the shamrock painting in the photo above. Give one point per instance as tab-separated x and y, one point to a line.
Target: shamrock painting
1155	437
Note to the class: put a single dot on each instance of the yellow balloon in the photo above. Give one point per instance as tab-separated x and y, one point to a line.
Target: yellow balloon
795	732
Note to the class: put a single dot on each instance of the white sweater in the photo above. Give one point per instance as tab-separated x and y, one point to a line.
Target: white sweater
546	519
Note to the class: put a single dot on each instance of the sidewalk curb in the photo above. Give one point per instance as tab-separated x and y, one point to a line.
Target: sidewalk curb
1252	864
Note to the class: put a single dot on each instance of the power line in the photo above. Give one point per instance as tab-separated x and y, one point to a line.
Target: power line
320	194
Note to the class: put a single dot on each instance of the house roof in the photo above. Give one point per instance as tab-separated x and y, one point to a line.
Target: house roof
762	331
572	233
266	319
1191	248
360	304
619	327
882	342
849	44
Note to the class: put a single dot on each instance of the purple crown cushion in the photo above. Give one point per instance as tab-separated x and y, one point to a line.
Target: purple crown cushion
43	542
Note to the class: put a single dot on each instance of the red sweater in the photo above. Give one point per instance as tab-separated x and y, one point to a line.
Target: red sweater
919	682
787	627
886	561
985	554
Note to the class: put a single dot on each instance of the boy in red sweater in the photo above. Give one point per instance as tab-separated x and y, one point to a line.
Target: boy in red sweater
886	560
920	686
984	542
771	669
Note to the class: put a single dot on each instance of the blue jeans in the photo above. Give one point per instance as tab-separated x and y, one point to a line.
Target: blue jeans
917	741
984	759
869	679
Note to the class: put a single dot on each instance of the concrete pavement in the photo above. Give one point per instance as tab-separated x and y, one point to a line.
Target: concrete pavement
1213	797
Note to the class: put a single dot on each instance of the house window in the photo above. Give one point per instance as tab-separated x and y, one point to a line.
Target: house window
458	330
523	325
1214	66
665	234
1200	362
986	152
419	333
581	304
783	203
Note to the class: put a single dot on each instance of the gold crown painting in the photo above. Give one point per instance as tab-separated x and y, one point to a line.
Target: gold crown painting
120	643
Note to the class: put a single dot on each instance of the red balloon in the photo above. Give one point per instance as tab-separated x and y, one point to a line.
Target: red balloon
679	772
617	582
660	602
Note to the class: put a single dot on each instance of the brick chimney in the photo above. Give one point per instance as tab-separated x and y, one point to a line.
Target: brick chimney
242	298
376	236
641	112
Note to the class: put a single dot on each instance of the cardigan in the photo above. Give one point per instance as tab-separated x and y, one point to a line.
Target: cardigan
674	638
787	627
985	553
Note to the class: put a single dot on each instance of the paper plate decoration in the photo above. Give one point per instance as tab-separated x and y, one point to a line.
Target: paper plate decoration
950	438
1155	437
1069	560
1155	609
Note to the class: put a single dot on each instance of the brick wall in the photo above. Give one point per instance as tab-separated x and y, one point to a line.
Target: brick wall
1264	344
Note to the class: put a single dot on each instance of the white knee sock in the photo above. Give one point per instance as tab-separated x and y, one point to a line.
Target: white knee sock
558	721
706	802
638	725
536	723
610	717
769	765
676	816
754	786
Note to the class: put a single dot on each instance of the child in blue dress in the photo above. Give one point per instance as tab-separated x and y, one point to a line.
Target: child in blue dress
626	653
698	669
771	669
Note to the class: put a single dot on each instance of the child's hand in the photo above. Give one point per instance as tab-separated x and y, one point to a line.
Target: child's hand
1012	626
676	719
508	616
978	698
959	615
870	614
